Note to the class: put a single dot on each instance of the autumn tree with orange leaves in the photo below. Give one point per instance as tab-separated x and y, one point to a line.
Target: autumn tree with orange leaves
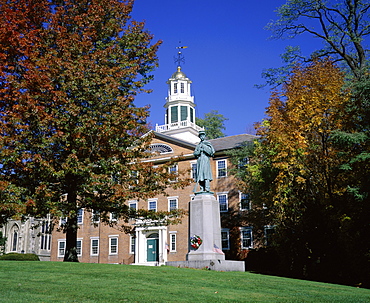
296	179
69	74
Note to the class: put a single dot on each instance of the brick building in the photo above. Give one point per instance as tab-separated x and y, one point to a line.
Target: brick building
153	243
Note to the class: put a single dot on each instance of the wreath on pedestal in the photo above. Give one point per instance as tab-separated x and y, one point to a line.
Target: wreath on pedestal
195	241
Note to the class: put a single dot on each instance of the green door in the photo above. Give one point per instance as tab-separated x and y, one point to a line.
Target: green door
152	250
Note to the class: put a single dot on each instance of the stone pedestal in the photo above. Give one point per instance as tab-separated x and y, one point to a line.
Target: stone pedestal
204	213
205	222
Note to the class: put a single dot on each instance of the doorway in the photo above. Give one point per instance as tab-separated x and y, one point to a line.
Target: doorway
152	248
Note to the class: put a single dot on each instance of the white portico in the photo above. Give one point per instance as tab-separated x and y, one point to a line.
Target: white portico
151	246
180	109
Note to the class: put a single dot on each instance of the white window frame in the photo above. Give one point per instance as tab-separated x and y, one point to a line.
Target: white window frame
227	232
132	246
173	241
240	201
93	216
227	201
265	229
62	220
193	170
113	217
175	88
60	241
250	229
111	237
79	253
92	239
218	170
176	172
134	202
156	204
80	216
169	199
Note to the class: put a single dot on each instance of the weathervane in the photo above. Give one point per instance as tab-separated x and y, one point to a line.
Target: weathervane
180	57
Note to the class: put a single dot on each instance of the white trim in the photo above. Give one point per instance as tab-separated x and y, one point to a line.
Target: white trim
173	240
217	168
227	200
240	202
82	215
91	246
156	203
241	237
132	245
111	237
64	248
173	198
227	231
79	254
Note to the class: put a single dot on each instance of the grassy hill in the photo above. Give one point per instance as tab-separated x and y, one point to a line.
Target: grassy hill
79	282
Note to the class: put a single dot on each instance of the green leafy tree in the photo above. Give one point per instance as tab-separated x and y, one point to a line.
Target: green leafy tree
71	136
213	124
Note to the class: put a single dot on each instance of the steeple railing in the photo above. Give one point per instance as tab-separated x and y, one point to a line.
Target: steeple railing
177	125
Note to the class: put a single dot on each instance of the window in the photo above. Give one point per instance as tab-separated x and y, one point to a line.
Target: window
94	247
152	205
222	199
61	248
45	235
175	88
243	162
182	86
245	203
160	148
173	172
184	113
96	216
191	115
80	213
172	203
132	244
225	239
269	233
15	240
221	168
174	114
246	237
79	247
172	242
193	171
113	217
132	204
113	245
62	221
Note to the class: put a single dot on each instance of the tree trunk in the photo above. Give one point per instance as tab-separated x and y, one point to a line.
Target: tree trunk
71	231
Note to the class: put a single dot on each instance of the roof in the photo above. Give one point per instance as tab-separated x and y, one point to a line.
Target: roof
231	142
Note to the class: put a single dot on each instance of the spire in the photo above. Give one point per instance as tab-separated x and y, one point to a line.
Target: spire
180	107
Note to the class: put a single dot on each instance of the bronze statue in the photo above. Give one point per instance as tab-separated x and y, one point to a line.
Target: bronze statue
203	152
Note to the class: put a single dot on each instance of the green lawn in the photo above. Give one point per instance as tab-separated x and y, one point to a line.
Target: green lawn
79	282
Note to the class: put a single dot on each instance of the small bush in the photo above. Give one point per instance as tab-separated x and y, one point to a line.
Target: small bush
19	257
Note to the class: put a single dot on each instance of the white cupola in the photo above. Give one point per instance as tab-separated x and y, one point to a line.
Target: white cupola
180	109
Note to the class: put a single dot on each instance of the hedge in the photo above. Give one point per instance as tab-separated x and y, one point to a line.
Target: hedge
20	257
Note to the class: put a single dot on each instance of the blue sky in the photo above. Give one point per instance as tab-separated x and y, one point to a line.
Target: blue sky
228	48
